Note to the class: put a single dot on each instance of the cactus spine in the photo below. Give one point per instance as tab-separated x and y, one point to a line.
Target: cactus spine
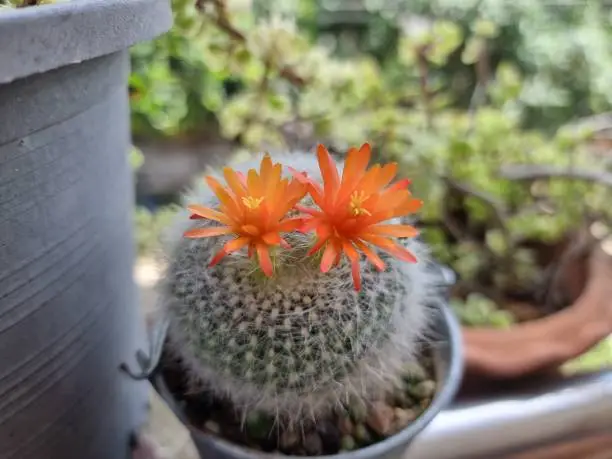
301	342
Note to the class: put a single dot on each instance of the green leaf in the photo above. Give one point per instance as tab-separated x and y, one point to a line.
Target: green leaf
473	49
136	158
447	36
496	241
485	28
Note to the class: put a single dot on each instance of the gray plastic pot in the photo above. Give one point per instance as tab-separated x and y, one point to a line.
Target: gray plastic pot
69	314
448	360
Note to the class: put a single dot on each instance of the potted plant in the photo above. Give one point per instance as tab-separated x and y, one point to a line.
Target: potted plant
291	320
68	303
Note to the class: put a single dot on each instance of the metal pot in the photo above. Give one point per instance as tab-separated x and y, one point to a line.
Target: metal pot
448	362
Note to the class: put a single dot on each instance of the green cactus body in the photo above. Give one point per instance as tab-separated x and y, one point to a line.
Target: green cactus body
302	342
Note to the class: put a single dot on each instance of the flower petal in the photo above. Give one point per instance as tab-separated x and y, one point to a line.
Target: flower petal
309	211
401	253
313	187
264	259
387	173
265	167
354	257
354	169
250	229
211	214
394	230
207	232
255	187
236	244
389	246
242	178
329	172
217	258
371	256
382	242
409	206
229	247
234	182
399	185
309	224
232	208
271	238
290	224
320	243
329	255
369	180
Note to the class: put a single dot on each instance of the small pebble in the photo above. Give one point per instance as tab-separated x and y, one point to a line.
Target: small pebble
415	371
348	443
362	435
380	418
403	400
330	436
358	411
424	389
288	439
313	444
425	403
212	426
345	425
403	418
258	425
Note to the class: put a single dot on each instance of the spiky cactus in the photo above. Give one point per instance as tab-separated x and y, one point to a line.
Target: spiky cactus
300	342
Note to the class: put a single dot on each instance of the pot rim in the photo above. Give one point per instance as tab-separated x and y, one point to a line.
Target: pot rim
442	399
41	38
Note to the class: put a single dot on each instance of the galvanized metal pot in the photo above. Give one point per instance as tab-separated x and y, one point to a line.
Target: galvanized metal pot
69	314
448	362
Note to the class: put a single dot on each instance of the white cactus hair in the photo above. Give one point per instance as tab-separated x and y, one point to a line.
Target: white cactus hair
224	327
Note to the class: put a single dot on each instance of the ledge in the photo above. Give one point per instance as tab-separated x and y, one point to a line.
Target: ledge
538	413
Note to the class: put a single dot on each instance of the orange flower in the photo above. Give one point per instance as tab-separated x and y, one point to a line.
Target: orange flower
351	207
253	208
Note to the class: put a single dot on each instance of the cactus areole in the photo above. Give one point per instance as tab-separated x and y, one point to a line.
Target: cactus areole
297	286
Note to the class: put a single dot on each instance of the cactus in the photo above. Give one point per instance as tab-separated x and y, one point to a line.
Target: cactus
300	342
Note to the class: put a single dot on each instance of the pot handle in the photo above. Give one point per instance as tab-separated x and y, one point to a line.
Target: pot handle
149	363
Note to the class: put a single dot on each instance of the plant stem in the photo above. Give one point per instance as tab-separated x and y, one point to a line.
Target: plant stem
527	172
423	69
223	22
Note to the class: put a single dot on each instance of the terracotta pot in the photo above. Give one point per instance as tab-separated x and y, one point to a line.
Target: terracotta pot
546	343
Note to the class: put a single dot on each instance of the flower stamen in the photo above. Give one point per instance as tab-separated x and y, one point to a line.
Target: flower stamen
356	204
252	202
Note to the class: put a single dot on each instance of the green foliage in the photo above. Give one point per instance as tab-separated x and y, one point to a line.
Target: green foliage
453	100
595	359
175	86
6	4
564	51
479	311
136	158
149	227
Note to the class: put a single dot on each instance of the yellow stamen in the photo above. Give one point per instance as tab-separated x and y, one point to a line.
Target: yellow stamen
356	204
251	202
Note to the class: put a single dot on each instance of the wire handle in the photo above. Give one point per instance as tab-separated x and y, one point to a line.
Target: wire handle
149	363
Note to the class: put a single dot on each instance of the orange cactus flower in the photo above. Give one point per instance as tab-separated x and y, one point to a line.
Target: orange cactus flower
254	209
351	208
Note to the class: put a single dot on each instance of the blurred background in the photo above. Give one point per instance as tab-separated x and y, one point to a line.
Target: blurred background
499	111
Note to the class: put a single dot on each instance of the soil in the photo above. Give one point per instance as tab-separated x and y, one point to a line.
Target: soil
350	428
